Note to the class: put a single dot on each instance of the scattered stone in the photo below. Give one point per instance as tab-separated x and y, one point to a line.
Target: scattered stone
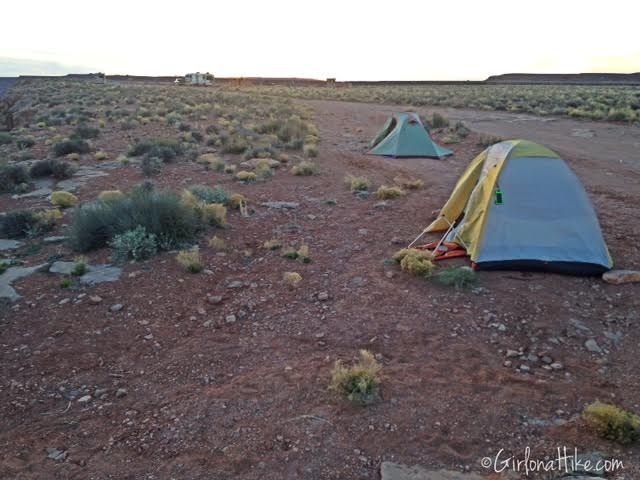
95	299
614	337
363	231
618	277
101	273
14	273
100	392
55	239
513	353
380	205
230	319
208	323
67	185
253	163
236	284
556	366
578	325
592	346
323	296
84	399
362	194
214	300
64	268
9	244
149	337
397	471
121	392
56	454
40	192
281	205
64	301
116	307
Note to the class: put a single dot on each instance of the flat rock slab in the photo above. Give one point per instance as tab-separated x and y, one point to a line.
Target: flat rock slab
41	192
397	471
12	274
618	277
65	268
100	274
281	205
9	244
253	163
67	185
55	239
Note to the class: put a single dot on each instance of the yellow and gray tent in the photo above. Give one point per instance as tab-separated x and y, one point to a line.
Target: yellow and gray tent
518	206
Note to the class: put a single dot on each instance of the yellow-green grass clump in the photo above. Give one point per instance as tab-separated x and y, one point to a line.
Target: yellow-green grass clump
190	261
63	199
612	423
360	382
389	193
414	261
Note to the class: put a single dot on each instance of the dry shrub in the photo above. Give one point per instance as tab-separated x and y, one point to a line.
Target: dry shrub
217	243
263	169
612	423
414	261
101	155
214	214
110	195
190	260
409	183
245	176
273	244
359	383
292	279
357	184
49	217
63	199
305	168
229	169
388	193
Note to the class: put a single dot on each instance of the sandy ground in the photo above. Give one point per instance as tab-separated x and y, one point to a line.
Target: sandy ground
249	400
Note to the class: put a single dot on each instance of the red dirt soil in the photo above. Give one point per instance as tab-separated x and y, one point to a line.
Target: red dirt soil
249	400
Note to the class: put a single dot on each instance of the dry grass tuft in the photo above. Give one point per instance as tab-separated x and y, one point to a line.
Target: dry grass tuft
414	261
217	243
357	184
359	383
63	199
245	176
388	193
190	260
409	183
110	195
292	279
273	244
305	169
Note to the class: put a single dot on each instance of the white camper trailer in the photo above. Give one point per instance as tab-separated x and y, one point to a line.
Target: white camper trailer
198	79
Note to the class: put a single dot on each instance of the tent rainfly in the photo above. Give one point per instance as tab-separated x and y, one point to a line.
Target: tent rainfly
518	206
403	135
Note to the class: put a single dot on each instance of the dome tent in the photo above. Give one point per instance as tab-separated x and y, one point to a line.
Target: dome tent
403	135
518	206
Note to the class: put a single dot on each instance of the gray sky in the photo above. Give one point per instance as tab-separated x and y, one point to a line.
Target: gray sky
372	39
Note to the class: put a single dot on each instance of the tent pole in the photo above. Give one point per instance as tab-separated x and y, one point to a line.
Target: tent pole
417	238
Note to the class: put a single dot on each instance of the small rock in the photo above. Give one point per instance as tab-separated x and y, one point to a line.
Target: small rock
55	239
592	346
214	300
230	319
618	277
323	296
116	307
380	205
84	399
56	454
235	284
208	323
556	366
9	244
99	392
363	231
64	301
95	299
121	392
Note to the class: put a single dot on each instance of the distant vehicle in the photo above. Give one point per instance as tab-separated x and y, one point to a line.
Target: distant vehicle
197	79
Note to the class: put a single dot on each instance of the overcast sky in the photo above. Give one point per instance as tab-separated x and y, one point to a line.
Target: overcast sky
350	40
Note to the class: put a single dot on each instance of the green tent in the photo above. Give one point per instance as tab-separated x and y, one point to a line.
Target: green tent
403	135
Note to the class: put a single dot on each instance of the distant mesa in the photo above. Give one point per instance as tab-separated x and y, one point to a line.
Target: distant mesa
567	78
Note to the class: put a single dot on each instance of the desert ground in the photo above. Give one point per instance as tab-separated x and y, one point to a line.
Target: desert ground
224	374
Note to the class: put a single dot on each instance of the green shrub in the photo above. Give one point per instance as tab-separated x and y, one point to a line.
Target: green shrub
11	177
206	194
80	266
134	244
245	176
162	214
165	149
51	167
151	166
25	142
5	138
359	383
85	131
263	169
436	121
64	283
613	423
66	147
458	277
20	223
